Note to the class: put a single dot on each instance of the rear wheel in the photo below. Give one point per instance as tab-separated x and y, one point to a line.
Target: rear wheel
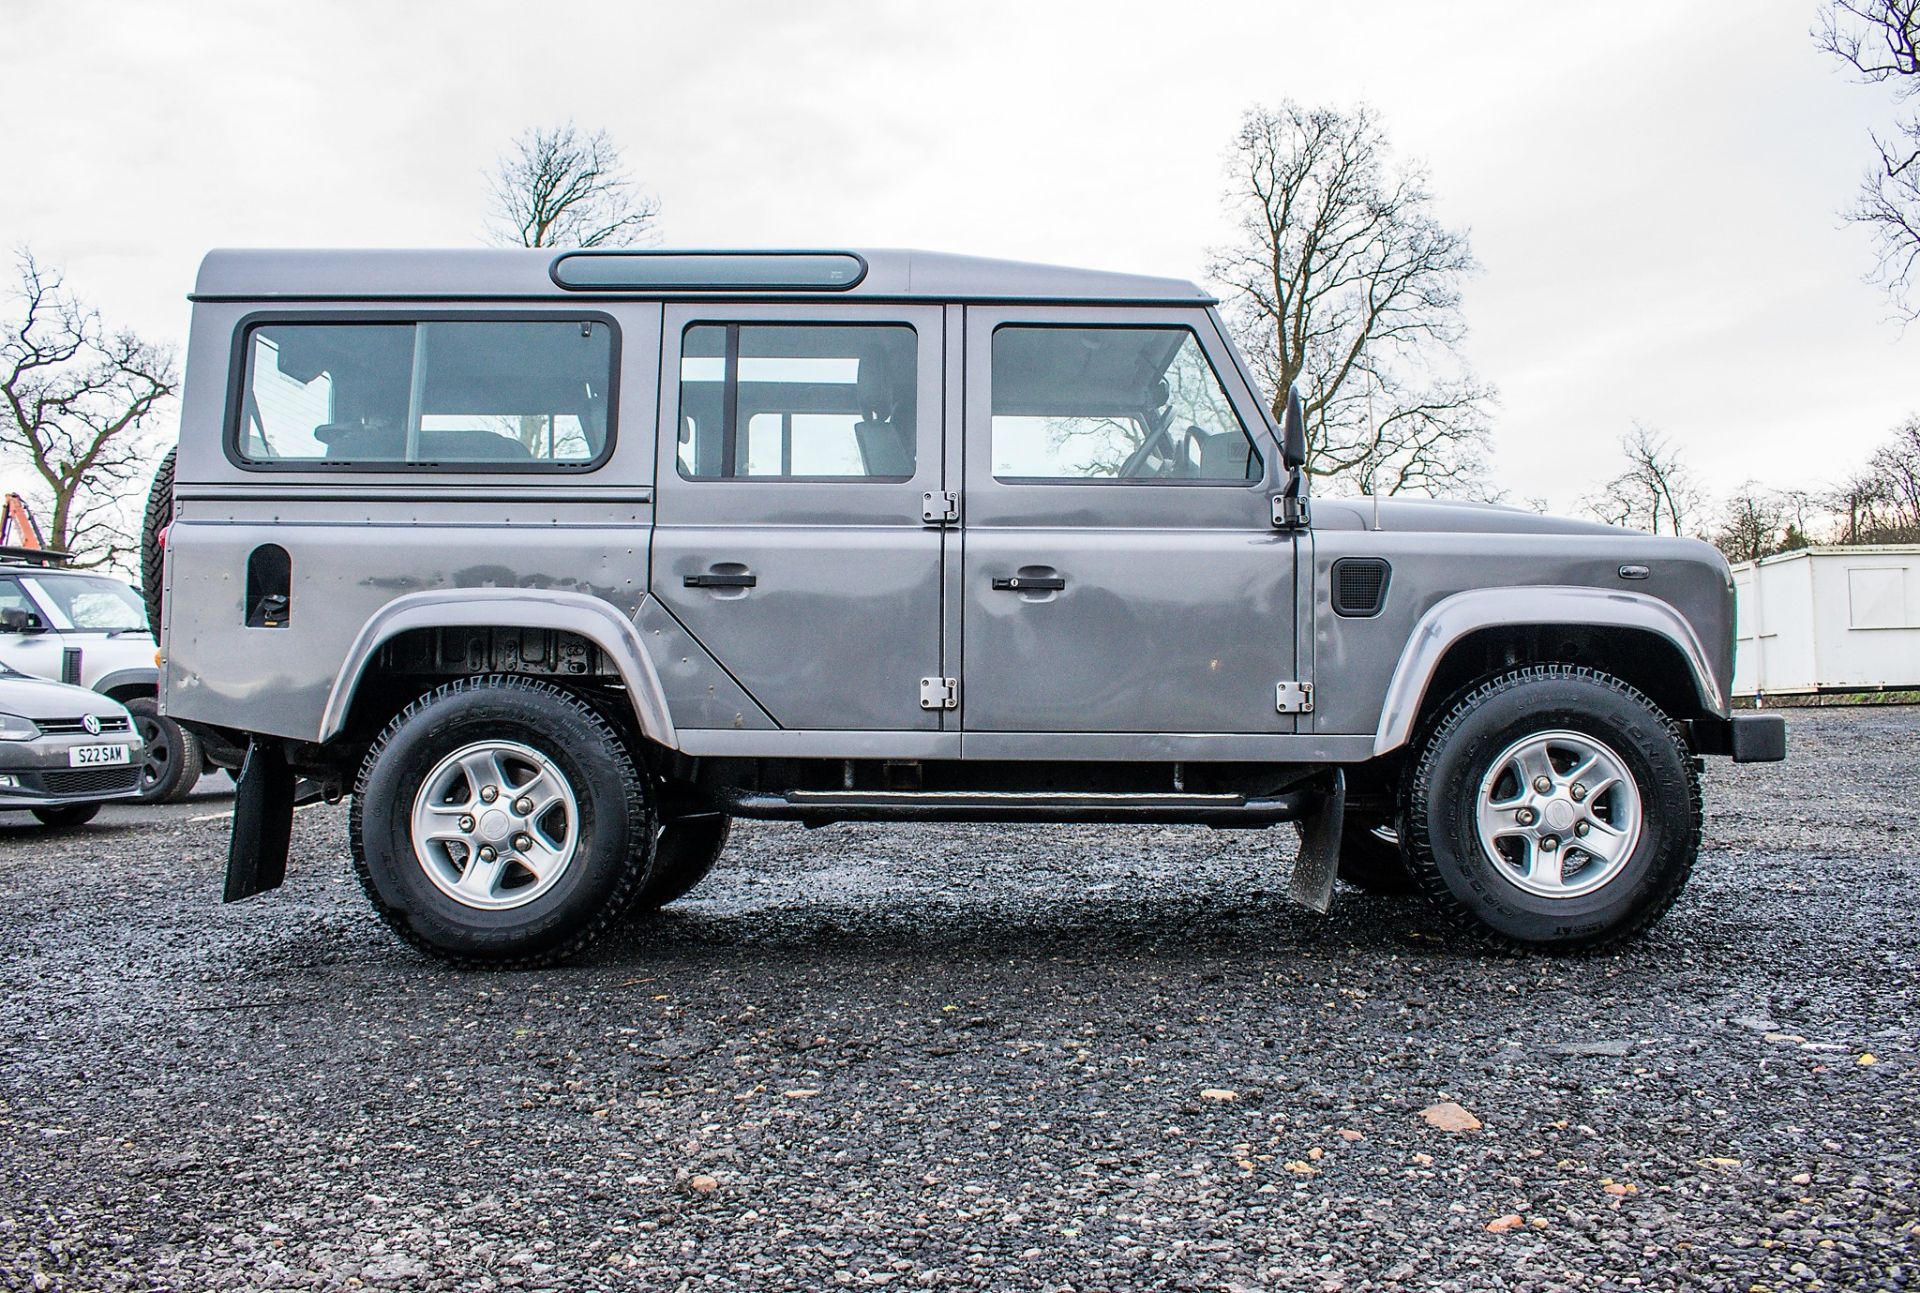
686	851
66	815
501	821
171	757
1553	807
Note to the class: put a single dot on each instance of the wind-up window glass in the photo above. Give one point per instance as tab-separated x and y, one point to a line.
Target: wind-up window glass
1121	404
795	402
455	394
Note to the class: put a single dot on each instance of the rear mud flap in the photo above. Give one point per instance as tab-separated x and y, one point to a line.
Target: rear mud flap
1319	857
262	823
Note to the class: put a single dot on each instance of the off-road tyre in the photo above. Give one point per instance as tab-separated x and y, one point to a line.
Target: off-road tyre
1439	799
66	816
686	851
613	856
152	555
1371	863
172	759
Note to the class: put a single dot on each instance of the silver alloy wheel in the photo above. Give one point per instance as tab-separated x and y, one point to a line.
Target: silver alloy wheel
495	825
1558	813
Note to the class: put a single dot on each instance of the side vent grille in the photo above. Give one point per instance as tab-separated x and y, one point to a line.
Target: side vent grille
1360	586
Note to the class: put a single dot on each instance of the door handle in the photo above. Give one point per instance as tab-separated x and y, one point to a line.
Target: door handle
721	581
1028	583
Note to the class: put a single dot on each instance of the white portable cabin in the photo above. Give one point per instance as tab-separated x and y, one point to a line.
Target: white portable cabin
1828	620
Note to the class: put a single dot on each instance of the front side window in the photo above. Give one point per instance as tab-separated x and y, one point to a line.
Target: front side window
795	402
1112	404
88	603
445	393
13	599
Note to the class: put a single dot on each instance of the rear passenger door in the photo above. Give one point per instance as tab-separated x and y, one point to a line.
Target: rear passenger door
796	444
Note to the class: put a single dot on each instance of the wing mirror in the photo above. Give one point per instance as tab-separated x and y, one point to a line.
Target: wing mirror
1290	511
15	620
1293	431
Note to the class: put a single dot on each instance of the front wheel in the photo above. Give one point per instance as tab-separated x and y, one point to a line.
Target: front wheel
171	758
1552	807
500	821
1370	857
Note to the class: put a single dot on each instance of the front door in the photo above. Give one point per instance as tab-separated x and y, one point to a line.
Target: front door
1121	571
790	537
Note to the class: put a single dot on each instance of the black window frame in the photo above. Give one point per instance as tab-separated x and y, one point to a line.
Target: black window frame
1257	463
733	442
240	357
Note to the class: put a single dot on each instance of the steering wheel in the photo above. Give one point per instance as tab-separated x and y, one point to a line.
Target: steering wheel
1159	443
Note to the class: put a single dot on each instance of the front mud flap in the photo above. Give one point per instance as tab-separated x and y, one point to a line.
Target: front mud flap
1319	857
262	823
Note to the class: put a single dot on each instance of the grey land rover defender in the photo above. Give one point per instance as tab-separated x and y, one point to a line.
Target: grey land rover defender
557	562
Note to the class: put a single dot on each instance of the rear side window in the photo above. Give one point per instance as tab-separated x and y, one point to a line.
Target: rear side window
1122	404
793	402
459	394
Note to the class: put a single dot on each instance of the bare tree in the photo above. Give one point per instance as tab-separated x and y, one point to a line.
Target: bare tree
1657	491
1756	523
1881	502
1880	41
1897	463
563	187
74	399
1343	278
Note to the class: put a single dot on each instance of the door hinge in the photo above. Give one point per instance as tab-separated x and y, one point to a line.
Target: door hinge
939	693
1291	512
940	507
1293	697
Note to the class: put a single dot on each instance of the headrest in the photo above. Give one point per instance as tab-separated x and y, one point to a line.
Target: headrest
874	382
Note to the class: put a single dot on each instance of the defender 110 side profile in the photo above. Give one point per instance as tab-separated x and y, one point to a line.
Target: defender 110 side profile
558	563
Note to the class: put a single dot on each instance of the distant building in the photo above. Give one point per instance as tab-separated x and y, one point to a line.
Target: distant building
1828	620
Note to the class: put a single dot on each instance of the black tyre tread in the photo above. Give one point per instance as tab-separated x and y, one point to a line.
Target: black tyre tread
193	766
152	560
639	808
679	865
1415	789
189	754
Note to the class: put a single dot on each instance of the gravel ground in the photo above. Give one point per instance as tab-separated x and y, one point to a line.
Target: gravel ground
976	1057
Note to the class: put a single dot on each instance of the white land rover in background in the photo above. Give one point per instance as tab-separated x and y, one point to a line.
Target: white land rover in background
91	629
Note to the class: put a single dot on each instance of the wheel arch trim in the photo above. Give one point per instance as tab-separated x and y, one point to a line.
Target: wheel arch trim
144	679
592	618
1452	619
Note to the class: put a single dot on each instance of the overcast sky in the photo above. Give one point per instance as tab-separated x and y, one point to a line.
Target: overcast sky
1652	188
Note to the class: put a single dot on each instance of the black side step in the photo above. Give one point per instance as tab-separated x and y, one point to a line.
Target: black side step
819	807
